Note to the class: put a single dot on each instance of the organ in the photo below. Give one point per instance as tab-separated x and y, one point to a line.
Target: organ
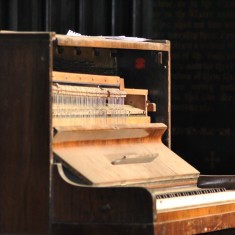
86	144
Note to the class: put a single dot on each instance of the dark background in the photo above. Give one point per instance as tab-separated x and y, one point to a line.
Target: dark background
202	40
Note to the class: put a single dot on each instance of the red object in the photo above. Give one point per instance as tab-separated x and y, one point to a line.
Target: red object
140	63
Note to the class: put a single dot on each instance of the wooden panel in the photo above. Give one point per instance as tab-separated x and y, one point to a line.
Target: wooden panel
208	222
93	154
25	133
106	205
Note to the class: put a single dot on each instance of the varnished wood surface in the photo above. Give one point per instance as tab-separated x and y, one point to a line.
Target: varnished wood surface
198	224
200	211
197	220
25	133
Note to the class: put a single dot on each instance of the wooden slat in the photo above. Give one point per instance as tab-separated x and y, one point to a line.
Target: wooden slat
86	78
102	42
136	92
63	134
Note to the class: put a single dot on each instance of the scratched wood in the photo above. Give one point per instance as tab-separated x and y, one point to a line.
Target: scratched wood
209	219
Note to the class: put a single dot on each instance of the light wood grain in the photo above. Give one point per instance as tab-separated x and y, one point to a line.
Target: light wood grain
86	78
92	156
102	42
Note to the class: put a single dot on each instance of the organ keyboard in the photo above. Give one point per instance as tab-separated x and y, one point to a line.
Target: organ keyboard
89	121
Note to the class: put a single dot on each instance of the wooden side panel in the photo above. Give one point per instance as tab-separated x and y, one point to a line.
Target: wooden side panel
73	204
25	133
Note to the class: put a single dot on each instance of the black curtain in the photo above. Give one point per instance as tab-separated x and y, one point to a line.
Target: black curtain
88	17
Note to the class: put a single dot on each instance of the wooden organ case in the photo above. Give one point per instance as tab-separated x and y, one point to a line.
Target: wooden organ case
85	145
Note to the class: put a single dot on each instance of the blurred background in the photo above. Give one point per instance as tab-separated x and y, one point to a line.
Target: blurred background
202	35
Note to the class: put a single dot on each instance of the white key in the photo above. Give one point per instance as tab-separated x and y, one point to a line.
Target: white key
200	200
